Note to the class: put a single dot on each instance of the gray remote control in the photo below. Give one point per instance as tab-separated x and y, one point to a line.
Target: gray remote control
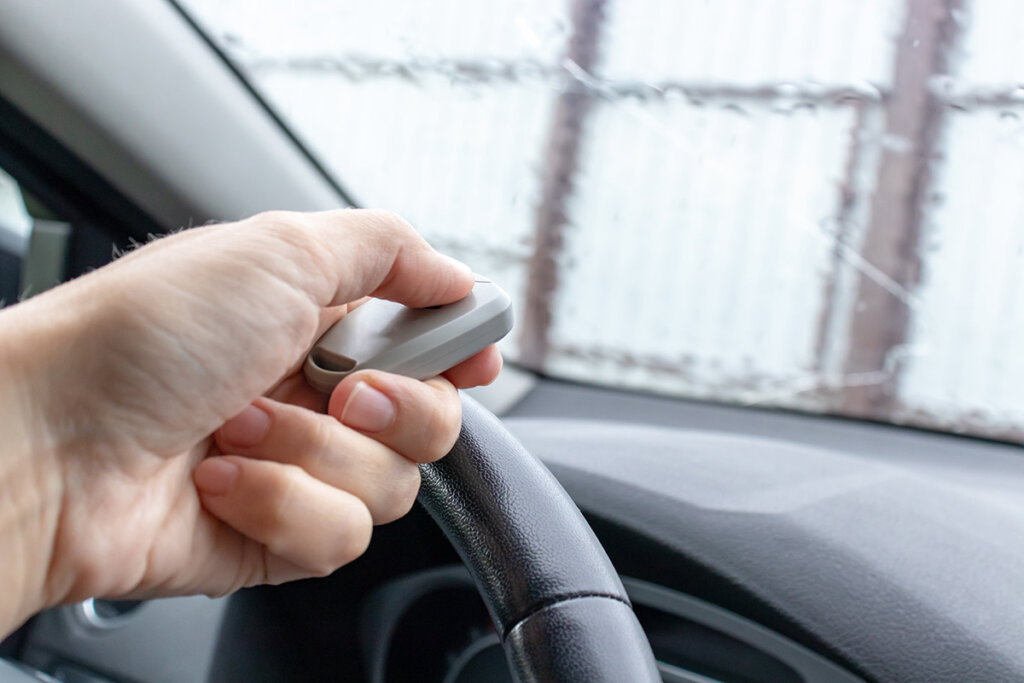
415	342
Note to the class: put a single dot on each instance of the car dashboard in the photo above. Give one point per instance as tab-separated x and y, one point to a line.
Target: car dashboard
755	546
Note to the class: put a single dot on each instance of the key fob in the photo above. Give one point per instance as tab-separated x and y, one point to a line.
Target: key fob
415	342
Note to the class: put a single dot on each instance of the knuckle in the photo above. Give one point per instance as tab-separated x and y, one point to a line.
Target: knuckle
404	486
275	220
388	227
278	500
292	229
444	426
388	221
294	247
294	232
353	540
317	437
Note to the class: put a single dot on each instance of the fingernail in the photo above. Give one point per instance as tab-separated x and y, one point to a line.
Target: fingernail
216	477
368	409
247	428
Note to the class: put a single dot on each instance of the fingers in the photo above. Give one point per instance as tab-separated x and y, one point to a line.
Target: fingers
420	420
478	370
294	515
352	253
384	480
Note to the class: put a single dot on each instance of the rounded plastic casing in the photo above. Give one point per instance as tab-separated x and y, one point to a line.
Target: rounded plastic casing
415	342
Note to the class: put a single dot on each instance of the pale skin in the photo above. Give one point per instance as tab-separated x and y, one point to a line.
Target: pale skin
159	438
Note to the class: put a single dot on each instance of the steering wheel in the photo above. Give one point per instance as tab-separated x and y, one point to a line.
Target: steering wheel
560	609
561	612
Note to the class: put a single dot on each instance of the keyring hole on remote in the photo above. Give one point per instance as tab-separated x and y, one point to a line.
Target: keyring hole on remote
331	361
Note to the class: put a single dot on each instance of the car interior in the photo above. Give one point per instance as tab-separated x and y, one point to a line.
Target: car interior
752	543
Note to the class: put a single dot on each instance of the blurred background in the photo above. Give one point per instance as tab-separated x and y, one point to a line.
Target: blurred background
787	203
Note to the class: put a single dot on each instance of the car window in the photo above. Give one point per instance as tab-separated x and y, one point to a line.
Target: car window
33	246
15	227
793	204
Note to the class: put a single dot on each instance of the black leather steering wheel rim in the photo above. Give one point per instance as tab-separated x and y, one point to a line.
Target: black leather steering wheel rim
559	607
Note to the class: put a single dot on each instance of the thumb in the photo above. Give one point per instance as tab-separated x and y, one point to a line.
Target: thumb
359	252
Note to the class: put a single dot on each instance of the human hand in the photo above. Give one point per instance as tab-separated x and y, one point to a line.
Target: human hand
161	439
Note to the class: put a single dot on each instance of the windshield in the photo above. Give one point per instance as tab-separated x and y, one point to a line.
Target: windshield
799	204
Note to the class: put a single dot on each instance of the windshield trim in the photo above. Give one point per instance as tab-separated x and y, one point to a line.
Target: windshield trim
345	195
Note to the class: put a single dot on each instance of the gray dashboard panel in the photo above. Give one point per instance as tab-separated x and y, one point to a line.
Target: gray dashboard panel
385	608
174	639
906	565
810	666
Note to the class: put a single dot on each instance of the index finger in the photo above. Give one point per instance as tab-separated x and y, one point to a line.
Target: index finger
478	370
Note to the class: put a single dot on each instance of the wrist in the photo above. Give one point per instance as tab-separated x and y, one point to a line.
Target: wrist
30	483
